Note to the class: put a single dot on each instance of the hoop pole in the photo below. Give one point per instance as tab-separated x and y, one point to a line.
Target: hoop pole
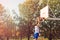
53	18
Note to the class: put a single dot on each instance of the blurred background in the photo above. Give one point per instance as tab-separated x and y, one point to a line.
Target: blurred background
18	18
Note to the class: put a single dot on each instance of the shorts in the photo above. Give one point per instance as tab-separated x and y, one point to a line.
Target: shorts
36	35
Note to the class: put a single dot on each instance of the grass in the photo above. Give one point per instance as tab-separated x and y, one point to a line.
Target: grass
40	38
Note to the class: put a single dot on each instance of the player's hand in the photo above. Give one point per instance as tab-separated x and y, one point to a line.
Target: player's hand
41	19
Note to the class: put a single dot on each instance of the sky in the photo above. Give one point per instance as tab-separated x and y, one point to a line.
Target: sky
11	4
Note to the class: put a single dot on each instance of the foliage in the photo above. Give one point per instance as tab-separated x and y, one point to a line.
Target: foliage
27	11
54	12
6	23
31	9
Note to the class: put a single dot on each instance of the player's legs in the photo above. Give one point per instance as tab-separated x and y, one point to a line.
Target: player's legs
36	36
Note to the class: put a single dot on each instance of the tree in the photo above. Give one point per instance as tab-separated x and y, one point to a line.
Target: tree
6	23
30	9
15	17
53	13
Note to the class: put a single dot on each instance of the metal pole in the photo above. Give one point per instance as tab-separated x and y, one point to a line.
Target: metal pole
47	2
53	19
